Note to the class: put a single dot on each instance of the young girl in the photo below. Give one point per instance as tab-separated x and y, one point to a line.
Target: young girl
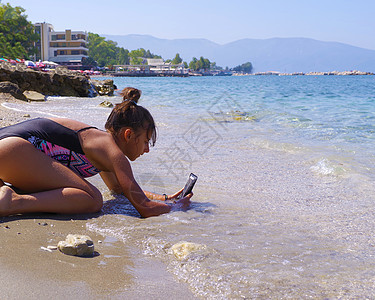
47	159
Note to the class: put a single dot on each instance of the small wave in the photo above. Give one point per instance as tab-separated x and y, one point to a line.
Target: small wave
191	263
278	146
326	167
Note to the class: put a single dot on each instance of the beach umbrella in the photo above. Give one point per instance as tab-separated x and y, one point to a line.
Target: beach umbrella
29	63
3	59
50	63
40	64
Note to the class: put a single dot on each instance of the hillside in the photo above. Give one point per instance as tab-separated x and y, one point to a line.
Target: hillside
276	54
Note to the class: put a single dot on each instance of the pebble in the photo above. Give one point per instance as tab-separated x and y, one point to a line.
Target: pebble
45	249
77	245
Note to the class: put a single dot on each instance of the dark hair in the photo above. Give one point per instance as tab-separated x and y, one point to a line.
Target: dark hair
130	93
130	114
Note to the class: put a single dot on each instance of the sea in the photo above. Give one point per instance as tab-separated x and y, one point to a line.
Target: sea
284	205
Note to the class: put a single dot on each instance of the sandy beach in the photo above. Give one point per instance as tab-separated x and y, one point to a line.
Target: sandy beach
116	272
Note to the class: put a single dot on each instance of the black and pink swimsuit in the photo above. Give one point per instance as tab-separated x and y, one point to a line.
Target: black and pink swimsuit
56	141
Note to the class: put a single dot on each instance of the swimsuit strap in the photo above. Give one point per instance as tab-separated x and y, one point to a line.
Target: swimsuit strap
85	128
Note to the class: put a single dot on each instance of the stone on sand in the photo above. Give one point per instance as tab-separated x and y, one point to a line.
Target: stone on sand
34	96
78	245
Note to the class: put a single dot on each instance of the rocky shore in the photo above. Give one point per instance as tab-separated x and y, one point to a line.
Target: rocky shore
22	83
58	82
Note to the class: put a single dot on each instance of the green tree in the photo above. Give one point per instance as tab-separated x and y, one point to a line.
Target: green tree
193	64
89	62
123	56
17	35
207	64
136	56
201	64
245	68
177	59
105	52
102	51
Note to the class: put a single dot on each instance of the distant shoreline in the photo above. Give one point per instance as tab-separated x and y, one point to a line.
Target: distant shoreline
205	74
332	73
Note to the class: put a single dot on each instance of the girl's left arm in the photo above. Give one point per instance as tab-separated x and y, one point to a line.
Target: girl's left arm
118	176
137	197
111	182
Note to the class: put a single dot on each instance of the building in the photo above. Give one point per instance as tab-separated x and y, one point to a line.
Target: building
63	47
151	67
44	30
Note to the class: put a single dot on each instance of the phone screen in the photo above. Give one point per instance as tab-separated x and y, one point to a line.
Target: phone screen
189	185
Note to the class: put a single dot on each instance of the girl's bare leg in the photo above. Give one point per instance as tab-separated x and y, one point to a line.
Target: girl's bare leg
52	187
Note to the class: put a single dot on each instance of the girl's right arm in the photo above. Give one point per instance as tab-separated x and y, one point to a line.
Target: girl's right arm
137	197
118	173
111	182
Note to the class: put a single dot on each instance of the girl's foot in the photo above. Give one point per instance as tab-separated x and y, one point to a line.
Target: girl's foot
6	196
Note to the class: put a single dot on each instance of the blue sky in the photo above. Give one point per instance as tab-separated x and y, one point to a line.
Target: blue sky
347	21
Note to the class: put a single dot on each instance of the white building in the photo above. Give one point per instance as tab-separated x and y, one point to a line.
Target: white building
63	47
44	30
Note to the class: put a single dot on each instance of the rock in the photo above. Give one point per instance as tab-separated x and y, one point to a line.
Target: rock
76	244
34	96
45	249
104	87
106	104
13	89
59	82
182	249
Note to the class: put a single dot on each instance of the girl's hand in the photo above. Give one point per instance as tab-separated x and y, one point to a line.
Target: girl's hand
175	195
183	203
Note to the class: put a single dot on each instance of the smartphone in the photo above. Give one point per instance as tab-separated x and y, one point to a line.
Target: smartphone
188	186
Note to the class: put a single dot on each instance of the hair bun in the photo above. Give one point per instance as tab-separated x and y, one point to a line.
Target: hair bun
131	94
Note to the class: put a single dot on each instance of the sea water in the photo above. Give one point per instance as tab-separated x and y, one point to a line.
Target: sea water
284	206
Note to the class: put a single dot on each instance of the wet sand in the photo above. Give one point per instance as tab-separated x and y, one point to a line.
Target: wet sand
117	271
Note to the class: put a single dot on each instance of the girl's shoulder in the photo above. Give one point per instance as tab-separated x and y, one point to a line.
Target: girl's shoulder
70	123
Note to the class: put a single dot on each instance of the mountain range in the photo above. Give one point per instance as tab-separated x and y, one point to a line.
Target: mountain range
275	54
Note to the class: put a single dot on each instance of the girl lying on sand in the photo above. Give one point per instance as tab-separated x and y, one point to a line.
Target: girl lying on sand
47	159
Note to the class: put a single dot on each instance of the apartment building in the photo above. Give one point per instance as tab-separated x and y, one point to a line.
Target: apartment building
63	47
